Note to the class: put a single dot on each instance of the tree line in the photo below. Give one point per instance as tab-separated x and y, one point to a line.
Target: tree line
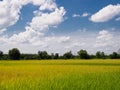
15	54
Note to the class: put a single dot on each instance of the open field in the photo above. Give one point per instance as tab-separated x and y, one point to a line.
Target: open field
60	75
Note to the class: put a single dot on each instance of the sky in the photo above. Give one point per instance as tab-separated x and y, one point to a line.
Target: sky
58	26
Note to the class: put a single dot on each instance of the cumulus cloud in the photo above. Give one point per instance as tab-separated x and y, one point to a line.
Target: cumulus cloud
37	27
48	4
35	31
75	44
64	39
10	9
2	31
104	38
85	14
107	13
76	15
44	20
9	12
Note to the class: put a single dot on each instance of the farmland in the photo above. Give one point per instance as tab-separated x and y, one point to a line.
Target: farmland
60	75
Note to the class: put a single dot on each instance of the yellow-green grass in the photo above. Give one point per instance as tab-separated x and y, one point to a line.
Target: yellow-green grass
60	75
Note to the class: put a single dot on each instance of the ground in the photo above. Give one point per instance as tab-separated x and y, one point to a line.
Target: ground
60	75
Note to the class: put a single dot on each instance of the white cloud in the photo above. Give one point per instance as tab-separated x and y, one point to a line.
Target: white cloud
107	13
85	14
117	19
2	31
113	29
103	41
104	38
82	30
75	44
10	10
45	20
49	4
37	27
76	15
34	33
63	39
9	13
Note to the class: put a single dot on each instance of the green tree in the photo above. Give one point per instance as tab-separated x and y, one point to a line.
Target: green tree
83	54
1	54
114	55
100	55
43	55
14	54
52	56
56	56
68	55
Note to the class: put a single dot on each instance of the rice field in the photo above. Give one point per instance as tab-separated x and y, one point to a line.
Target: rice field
60	75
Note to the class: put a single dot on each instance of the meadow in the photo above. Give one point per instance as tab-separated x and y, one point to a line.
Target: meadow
60	75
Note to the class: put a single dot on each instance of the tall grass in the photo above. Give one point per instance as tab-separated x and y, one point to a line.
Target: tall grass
60	75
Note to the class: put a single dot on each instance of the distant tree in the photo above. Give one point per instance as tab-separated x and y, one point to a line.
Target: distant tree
1	54
100	55
83	54
40	54
56	56
29	56
114	55
43	55
14	54
92	56
5	57
68	55
52	55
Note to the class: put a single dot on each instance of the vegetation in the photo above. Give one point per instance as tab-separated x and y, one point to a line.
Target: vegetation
114	55
60	75
1	54
83	54
43	55
68	55
100	55
14	54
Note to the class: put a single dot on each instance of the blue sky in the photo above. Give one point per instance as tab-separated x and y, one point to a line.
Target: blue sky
60	25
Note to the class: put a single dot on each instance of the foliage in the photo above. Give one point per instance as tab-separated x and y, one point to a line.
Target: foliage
55	56
43	55
68	55
1	54
100	55
83	54
29	56
114	55
14	54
